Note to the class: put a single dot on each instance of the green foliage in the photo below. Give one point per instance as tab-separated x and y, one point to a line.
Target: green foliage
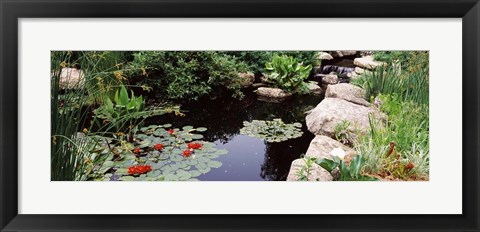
410	87
410	61
67	116
341	132
256	60
304	173
352	172
287	73
272	131
187	74
408	128
103	72
113	157
126	113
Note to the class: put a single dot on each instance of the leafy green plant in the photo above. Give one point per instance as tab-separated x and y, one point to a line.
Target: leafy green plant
304	173
352	172
126	113
341	132
288	74
187	75
272	131
172	154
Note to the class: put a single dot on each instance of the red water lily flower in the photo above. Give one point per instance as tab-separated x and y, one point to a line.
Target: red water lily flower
194	146
148	168
171	131
140	169
132	170
186	153
158	147
136	150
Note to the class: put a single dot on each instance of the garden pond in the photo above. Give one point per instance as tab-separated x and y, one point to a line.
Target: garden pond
248	158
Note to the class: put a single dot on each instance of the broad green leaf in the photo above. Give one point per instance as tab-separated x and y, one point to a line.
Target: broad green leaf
214	164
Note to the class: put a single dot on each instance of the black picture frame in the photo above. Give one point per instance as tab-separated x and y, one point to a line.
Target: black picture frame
11	11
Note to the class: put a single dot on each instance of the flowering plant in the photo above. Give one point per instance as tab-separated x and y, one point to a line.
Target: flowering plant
139	169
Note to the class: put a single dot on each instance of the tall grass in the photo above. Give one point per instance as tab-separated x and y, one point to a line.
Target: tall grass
408	128
70	156
67	116
402	92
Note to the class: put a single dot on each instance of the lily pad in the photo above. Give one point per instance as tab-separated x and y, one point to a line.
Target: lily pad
272	131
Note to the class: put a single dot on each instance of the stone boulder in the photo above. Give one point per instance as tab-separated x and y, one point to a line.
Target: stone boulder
314	88
331	111
320	147
324	56
329	79
339	54
272	92
246	79
347	92
317	173
71	78
368	62
359	70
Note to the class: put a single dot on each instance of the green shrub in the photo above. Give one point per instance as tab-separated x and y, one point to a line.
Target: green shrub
187	74
288	74
410	61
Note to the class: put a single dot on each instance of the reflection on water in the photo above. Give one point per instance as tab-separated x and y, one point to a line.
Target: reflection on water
248	158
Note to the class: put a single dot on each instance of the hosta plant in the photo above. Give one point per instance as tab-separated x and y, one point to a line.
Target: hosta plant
272	131
287	73
159	152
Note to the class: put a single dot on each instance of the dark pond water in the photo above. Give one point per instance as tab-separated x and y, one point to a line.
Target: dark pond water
248	158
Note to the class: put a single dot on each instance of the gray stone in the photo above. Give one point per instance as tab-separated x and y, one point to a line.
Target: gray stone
324	56
272	92
329	79
321	146
368	62
316	173
314	88
339	54
359	70
331	111
347	92
246	79
71	78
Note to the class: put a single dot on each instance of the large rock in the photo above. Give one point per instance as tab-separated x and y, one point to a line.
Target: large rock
315	172
272	92
320	147
246	79
331	111
368	62
329	79
347	92
324	56
339	54
71	78
314	88
359	70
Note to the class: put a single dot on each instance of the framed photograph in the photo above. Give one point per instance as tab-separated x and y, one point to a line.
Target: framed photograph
246	116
